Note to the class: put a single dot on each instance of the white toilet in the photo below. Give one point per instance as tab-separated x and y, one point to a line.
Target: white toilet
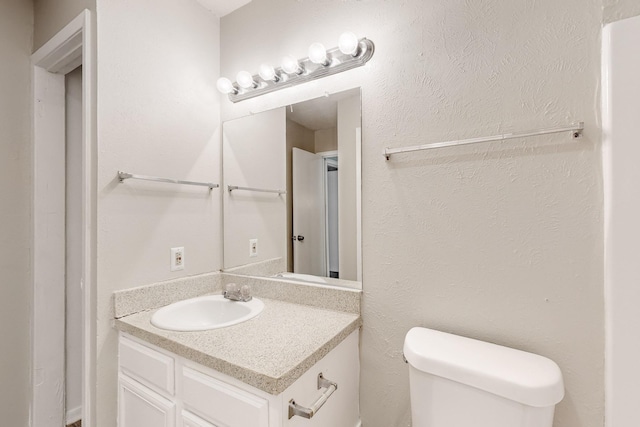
462	382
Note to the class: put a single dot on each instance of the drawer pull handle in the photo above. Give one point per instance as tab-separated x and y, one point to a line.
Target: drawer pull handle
301	411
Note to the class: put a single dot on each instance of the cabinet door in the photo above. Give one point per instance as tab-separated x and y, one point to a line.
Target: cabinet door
190	420
138	406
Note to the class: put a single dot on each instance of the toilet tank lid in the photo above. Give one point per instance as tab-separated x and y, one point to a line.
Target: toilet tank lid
513	374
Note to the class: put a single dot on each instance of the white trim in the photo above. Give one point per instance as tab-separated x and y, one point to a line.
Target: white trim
73	415
607	184
325	154
359	204
48	256
327	161
71	47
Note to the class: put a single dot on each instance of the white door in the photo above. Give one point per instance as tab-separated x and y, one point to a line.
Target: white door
308	213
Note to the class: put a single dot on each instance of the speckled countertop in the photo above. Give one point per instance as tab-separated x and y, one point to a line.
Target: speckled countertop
268	352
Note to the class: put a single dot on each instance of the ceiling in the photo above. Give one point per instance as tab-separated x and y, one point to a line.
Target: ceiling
319	113
222	7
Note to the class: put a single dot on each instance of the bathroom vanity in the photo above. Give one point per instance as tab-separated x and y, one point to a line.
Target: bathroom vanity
291	362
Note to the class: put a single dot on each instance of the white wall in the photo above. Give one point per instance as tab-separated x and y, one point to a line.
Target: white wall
158	114
501	242
621	96
16	29
327	139
51	16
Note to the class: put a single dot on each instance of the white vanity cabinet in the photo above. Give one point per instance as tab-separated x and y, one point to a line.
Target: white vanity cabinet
160	389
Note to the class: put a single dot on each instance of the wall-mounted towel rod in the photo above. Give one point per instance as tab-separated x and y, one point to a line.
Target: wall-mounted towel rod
125	175
259	190
575	129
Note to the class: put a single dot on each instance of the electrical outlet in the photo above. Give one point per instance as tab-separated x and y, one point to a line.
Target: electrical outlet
253	247
177	259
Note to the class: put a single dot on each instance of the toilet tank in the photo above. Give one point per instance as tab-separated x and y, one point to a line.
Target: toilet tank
462	382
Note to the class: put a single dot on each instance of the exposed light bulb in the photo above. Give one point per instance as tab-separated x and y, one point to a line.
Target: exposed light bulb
245	80
318	54
290	65
348	44
267	72
224	85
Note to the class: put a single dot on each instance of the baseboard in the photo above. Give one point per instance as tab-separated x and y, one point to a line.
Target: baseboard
74	414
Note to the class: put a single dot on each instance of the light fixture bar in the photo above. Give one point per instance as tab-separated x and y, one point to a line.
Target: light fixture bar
338	62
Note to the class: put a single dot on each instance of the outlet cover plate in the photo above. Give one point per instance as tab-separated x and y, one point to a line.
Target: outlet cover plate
253	248
177	259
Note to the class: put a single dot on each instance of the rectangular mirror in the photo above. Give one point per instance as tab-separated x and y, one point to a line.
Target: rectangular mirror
292	192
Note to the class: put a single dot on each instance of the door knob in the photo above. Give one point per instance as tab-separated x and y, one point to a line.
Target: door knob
300	238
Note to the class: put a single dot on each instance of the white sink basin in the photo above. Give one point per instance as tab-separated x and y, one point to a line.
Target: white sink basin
207	312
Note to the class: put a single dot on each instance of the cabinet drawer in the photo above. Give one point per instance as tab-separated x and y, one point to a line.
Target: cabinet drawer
221	403
150	367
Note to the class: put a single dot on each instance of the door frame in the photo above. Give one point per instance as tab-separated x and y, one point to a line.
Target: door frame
326	159
73	46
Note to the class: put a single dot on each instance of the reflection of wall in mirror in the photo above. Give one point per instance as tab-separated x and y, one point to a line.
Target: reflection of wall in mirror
254	156
348	122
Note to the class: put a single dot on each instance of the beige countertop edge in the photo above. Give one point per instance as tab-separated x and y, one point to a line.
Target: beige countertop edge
258	380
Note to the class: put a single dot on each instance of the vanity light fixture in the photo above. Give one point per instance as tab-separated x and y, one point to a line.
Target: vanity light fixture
348	44
268	73
291	65
321	62
225	86
318	54
245	80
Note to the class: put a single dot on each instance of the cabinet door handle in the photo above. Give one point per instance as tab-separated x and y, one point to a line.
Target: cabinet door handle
301	411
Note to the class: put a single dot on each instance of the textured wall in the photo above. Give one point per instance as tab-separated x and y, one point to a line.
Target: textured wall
615	10
50	16
500	241
16	29
158	115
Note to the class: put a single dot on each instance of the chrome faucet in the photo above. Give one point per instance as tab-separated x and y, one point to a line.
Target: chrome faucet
234	293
